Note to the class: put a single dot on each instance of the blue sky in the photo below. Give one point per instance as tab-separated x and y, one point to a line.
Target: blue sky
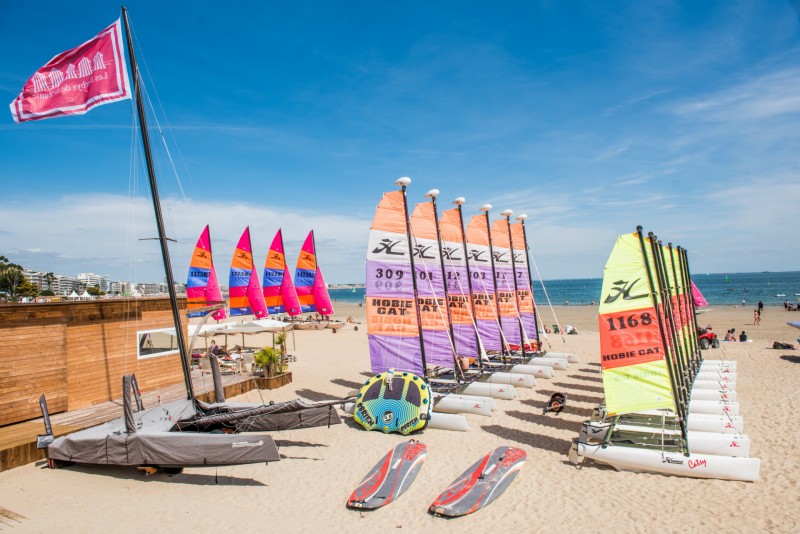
591	117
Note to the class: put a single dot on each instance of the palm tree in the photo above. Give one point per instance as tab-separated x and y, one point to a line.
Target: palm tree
48	279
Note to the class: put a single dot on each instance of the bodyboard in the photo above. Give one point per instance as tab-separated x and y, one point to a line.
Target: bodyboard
481	484
393	402
390	477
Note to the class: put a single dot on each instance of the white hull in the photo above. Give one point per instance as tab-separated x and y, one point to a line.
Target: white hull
736	445
701	422
496	391
716	364
492	403
448	421
555	363
453	404
539	371
713	407
336	324
717	377
571	358
713	384
647	460
710	394
310	326
512	379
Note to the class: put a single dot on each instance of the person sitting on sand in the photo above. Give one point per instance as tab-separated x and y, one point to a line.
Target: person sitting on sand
729	336
743	336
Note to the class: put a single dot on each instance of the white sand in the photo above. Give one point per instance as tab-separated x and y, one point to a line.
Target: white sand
307	490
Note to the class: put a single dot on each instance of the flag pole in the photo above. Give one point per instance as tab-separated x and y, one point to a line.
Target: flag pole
162	239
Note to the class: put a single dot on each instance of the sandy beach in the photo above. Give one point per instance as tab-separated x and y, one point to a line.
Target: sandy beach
307	490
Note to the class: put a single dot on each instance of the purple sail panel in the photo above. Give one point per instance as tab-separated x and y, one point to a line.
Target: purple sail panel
466	342
429	280
438	349
389	279
510	329
401	353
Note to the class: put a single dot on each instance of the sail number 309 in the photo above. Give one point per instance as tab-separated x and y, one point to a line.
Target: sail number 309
631	321
389	273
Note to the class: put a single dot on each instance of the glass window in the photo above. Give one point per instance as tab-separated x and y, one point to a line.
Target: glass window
152	343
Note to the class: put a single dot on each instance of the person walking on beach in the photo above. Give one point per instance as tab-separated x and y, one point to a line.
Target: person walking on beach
756	317
760	308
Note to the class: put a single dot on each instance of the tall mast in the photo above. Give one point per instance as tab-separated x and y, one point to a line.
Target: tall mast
432	194
679	406
485	209
403	183
521	218
460	202
507	214
162	239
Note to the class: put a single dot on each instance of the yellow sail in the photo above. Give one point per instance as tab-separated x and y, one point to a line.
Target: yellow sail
635	373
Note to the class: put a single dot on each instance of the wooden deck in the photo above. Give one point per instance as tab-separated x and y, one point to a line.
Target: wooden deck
18	441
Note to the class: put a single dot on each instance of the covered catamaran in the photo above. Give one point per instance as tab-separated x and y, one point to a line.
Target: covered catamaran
202	286
651	369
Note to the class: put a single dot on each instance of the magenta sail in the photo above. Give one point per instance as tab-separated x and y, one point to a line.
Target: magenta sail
202	287
246	297
312	292
279	292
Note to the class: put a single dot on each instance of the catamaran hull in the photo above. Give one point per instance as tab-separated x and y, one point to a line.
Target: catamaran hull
729	378
571	358
539	371
492	403
454	404
713	407
310	326
725	424
715	364
711	395
448	421
653	461
716	443
713	384
513	379
555	363
496	391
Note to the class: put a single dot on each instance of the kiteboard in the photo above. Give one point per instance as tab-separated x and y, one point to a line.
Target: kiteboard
481	484
393	402
390	477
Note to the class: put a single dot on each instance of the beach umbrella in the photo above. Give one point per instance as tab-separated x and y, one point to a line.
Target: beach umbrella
257	327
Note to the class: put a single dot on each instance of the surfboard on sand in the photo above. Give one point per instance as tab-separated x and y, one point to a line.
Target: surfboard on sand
481	484
390	477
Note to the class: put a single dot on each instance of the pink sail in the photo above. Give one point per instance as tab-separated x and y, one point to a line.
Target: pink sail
245	292
311	289
202	286
699	299
279	292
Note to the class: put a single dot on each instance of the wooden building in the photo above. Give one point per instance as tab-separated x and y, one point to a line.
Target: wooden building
77	352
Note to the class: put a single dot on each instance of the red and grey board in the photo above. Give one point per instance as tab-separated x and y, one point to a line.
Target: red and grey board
481	484
390	477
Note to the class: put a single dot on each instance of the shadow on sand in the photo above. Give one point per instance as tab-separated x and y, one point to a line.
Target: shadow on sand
195	479
593	389
593	378
557	445
552	420
347	383
791	358
317	396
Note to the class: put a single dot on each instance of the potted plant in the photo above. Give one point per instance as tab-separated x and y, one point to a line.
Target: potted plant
268	358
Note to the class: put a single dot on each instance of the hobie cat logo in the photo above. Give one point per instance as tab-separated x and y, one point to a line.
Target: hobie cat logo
623	288
450	253
476	255
499	257
386	246
420	251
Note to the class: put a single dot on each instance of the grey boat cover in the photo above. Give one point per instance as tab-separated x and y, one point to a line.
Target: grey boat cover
157	441
273	417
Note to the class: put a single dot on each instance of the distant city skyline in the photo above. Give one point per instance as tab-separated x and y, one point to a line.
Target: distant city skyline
591	118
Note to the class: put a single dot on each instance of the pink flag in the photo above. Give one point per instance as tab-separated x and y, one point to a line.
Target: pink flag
77	80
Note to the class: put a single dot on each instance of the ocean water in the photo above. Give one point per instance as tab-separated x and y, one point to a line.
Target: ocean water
718	288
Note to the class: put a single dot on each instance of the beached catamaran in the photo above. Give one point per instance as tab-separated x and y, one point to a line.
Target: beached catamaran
312	291
202	286
666	410
279	292
176	434
246	297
